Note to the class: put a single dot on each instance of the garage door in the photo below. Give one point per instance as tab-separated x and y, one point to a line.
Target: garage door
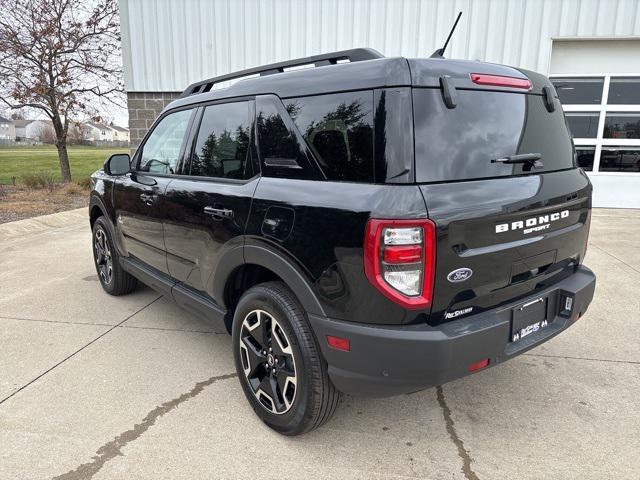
598	83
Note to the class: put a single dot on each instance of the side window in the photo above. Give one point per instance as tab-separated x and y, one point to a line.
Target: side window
339	130
222	148
161	151
282	150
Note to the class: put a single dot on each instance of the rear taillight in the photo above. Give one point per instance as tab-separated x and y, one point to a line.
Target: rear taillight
500	81
399	260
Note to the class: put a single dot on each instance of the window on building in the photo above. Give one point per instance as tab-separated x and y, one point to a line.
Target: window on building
624	90
585	156
620	159
583	124
161	151
574	91
339	130
223	146
622	125
603	114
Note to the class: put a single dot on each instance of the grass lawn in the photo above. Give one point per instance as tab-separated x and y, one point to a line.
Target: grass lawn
19	161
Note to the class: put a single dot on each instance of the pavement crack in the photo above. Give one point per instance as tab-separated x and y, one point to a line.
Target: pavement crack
113	449
463	453
76	352
120	325
565	357
613	256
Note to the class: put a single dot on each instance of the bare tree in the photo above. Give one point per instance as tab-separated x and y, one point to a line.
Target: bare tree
57	56
47	134
77	133
17	115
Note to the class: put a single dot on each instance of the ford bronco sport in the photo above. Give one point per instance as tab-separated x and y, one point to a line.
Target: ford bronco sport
371	225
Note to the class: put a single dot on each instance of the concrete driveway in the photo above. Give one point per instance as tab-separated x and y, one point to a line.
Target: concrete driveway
98	387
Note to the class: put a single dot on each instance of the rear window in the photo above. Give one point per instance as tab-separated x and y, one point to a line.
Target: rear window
459	143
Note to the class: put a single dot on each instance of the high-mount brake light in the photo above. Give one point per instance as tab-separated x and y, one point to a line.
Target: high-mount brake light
399	260
500	81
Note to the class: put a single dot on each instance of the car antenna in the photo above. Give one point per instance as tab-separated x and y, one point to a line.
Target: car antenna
439	53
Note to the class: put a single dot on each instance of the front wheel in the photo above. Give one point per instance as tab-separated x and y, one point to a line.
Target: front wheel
278	360
113	278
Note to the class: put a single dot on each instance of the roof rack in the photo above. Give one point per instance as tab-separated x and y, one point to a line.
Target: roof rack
353	55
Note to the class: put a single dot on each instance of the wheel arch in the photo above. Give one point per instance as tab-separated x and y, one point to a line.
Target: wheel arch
97	209
260	264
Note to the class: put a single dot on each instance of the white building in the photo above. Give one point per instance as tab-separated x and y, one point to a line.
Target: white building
592	48
120	134
40	130
98	132
21	128
7	129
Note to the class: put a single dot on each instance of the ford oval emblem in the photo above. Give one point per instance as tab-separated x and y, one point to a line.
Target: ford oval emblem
460	275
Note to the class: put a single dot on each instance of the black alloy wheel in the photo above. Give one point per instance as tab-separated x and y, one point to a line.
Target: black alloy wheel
113	278
102	255
267	361
279	362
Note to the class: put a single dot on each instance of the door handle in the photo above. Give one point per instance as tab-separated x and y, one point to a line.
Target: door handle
148	198
219	213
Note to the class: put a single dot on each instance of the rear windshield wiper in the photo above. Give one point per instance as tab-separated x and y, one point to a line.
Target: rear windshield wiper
531	159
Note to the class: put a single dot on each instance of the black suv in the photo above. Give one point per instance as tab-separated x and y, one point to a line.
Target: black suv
371	225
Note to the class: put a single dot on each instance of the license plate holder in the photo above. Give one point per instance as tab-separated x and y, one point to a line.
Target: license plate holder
529	318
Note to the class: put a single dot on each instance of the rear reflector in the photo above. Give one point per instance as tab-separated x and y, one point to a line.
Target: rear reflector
500	81
479	365
338	343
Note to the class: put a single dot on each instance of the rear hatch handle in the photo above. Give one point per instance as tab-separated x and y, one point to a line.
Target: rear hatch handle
532	159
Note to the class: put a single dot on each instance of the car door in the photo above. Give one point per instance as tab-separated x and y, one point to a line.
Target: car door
207	210
138	196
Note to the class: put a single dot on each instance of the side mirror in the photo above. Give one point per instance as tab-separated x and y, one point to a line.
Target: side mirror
118	164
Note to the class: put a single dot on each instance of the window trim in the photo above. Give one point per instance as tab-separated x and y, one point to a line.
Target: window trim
603	108
137	157
278	104
310	149
193	139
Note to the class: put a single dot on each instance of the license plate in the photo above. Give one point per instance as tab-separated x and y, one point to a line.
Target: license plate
529	318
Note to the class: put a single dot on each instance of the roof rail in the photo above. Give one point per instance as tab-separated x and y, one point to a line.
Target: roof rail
353	55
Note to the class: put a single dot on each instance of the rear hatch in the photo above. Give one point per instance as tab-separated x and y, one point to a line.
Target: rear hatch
504	231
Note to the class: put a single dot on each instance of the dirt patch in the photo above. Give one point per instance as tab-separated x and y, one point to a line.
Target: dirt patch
18	203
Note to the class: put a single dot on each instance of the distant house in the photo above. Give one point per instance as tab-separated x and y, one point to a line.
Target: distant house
7	129
21	128
99	132
120	134
41	130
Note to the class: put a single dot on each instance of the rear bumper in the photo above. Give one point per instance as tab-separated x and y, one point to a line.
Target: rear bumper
390	360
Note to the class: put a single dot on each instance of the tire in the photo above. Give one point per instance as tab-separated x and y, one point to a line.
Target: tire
114	280
269	316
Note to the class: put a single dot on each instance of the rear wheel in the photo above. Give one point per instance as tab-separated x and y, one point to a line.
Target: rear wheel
278	360
114	280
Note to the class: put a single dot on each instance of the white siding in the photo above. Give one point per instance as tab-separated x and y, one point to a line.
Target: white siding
171	43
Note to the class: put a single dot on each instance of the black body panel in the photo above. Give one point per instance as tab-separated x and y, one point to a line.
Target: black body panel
202	219
325	240
392	360
139	215
467	213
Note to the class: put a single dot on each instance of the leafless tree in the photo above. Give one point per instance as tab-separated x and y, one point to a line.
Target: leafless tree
77	133
47	134
17	115
57	56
